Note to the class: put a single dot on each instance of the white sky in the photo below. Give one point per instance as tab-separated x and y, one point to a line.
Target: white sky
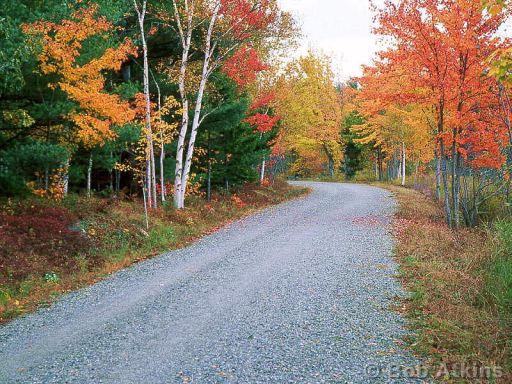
340	28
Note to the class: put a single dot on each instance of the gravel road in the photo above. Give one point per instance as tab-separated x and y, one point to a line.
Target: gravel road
299	293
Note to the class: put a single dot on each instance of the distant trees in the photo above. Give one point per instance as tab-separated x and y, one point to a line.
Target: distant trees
310	110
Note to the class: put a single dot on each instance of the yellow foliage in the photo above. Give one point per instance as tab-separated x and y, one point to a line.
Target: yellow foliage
55	189
310	111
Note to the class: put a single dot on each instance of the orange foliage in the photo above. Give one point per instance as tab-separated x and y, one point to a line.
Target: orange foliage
438	61
84	83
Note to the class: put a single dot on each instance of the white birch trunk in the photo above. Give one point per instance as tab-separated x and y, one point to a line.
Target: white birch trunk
198	107
262	173
191	144
146	216
89	176
162	156
65	181
153	174
186	40
147	182
162	143
150	153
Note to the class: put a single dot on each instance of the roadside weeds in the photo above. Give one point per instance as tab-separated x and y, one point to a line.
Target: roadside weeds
453	307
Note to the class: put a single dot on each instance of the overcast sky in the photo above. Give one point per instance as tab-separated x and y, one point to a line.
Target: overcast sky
340	28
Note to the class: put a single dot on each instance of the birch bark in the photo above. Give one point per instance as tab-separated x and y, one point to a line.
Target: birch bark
186	40
150	153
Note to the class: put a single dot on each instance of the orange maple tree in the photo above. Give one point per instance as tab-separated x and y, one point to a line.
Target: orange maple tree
84	83
438	58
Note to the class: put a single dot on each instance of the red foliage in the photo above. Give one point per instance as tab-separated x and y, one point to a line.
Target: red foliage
262	122
243	66
38	239
263	101
438	57
245	16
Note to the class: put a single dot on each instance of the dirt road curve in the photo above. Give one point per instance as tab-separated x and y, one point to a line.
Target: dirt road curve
296	294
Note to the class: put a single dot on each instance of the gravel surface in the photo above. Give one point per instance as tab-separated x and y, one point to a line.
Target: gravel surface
299	293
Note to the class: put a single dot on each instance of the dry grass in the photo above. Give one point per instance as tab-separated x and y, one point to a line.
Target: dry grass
113	239
454	317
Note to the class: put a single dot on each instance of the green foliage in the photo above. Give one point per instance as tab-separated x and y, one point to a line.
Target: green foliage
16	59
353	159
12	55
35	157
28	162
34	118
51	277
499	281
11	183
232	147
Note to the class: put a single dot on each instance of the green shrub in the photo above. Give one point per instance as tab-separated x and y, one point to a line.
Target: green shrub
504	235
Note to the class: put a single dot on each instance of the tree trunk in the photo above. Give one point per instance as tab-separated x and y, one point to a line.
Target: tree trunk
455	185
209	177
398	161
111	176
444	171
46	178
126	72
381	166
65	181
149	189
162	173
150	153
262	171
162	149
89	175
186	39
198	107
146	216
153	175
118	181
192	142
403	165
438	173
377	167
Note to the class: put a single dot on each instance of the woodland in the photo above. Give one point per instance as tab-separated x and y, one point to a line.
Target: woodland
128	126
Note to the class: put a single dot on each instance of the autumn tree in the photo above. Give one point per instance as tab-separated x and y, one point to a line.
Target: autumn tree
310	111
82	79
399	131
439	49
223	28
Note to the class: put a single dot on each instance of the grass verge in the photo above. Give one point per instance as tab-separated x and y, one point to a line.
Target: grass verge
460	284
48	248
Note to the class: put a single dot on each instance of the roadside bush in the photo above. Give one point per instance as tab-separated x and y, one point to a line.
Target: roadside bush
36	239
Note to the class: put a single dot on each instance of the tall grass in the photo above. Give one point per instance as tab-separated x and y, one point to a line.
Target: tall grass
460	284
499	277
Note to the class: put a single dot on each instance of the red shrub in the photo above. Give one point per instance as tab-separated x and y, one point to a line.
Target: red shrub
38	240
